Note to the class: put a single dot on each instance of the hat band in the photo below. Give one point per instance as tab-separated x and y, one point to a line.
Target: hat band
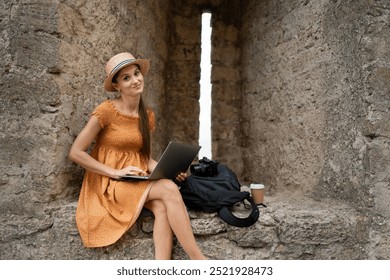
124	62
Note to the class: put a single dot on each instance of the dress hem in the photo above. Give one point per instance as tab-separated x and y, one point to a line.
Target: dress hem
132	221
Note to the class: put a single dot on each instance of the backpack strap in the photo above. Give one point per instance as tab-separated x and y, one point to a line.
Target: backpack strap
226	214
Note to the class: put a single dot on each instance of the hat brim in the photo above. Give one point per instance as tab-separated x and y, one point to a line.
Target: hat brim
144	65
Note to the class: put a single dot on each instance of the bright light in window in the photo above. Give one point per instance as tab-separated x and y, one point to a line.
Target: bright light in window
205	89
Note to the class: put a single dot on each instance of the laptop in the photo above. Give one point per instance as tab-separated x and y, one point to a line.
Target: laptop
176	158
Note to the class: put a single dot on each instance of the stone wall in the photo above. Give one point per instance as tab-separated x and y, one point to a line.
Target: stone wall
183	89
316	88
53	57
300	103
92	33
30	104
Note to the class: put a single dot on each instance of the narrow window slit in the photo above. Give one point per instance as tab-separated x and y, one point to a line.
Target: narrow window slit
205	139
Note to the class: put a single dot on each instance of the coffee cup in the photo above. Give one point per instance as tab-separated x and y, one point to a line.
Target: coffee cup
257	192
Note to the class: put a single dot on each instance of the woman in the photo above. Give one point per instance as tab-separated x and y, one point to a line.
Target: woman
121	127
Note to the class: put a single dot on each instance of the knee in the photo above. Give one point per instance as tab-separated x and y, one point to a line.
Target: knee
171	190
157	207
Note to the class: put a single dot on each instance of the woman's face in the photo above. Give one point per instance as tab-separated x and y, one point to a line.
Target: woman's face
130	81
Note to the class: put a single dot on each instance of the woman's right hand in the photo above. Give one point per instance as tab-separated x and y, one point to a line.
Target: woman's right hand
130	170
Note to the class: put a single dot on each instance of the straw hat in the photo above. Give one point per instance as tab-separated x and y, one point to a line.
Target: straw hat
119	61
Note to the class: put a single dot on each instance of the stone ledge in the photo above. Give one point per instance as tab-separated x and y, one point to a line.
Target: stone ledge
293	228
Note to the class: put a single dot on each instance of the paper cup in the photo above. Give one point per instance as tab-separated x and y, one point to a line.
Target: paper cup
257	192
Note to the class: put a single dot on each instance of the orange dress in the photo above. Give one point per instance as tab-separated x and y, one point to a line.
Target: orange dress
107	208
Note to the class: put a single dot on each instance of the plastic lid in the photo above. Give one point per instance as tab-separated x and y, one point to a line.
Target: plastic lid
257	186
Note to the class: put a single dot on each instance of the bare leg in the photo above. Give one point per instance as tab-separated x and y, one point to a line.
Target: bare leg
168	193
162	232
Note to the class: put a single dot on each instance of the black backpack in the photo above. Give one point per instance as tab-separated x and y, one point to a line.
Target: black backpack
218	193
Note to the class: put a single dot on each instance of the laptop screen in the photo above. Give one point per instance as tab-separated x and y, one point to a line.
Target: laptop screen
176	158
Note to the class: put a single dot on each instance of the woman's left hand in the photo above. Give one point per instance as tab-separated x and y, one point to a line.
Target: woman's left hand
181	177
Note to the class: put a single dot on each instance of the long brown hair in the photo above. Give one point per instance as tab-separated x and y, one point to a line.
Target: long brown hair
144	128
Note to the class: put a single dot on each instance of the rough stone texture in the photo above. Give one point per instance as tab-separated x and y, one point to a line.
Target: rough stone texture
52	72
284	231
316	107
300	103
184	75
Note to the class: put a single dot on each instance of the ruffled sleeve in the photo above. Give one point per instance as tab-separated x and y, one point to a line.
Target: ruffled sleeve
152	120
102	112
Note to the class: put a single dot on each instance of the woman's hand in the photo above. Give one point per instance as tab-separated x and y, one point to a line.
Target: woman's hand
130	170
181	177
